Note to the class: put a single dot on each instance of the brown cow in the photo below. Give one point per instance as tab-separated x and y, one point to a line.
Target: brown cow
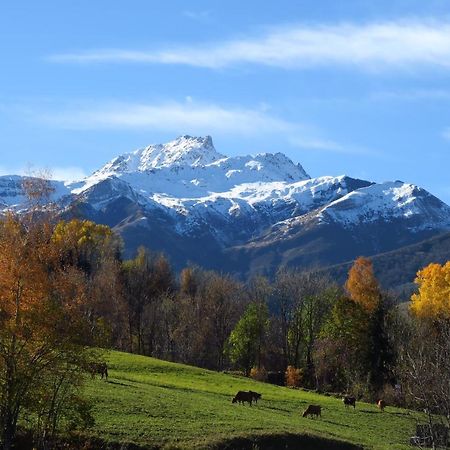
255	395
349	401
313	410
242	397
381	404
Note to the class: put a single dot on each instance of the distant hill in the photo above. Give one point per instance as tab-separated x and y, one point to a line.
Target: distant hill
396	270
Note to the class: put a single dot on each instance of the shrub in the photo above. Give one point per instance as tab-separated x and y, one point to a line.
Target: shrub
294	376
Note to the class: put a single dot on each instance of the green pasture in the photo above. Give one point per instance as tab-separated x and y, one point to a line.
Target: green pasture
154	403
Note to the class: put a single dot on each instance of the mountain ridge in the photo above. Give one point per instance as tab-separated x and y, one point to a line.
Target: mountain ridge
243	214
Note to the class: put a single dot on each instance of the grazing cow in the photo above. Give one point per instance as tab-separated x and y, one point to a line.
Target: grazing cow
313	410
255	396
242	397
349	401
381	404
100	368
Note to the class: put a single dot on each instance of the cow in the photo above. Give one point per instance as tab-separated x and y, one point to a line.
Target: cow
349	401
255	396
381	404
313	410
100	368
242	397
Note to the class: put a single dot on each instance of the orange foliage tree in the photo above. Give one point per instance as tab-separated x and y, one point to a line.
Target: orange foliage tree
362	286
43	331
433	299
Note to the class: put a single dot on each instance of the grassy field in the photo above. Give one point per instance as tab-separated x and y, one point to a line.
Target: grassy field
150	402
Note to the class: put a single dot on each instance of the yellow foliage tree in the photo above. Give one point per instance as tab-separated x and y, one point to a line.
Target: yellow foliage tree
433	299
362	286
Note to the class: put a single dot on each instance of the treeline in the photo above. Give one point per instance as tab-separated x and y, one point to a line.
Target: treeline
65	289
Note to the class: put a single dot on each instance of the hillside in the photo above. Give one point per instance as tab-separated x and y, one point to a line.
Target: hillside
156	404
397	269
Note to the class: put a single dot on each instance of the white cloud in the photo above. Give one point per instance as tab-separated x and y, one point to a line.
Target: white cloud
373	46
188	117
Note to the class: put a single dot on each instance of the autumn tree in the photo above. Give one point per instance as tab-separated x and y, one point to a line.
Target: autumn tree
362	286
95	250
433	298
358	328
42	325
423	342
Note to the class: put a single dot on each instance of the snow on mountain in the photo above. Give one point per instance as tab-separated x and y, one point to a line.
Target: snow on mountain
389	201
200	187
191	193
190	167
12	193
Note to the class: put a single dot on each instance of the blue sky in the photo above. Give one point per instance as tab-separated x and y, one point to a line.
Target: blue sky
356	87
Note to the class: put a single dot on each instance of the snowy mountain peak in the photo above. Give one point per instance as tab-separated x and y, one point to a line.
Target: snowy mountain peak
190	167
183	151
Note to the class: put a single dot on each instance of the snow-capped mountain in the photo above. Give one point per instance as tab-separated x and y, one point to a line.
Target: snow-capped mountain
244	213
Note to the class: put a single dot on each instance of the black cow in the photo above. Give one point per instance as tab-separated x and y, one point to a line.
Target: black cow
349	401
242	397
255	395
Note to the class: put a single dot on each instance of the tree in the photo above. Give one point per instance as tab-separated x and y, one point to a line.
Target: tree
246	341
433	299
95	250
208	305
42	325
358	326
423	370
344	340
362	286
303	300
147	279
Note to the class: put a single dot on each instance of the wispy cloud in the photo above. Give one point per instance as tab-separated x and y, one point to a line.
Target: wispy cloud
412	95
196	118
178	117
200	16
328	145
373	46
446	134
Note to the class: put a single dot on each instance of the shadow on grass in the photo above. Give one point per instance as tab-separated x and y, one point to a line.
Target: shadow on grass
283	441
339	424
118	383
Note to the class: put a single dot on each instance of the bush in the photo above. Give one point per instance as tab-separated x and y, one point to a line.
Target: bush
258	374
294	376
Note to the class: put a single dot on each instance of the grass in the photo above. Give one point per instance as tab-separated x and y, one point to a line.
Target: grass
150	402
